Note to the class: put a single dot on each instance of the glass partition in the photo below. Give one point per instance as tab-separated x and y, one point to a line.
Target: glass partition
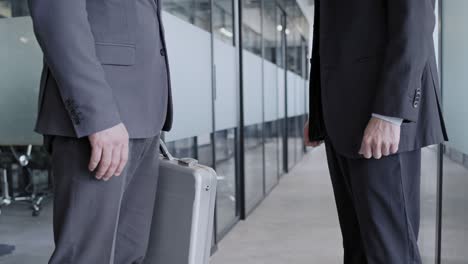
13	8
225	110
20	74
455	161
223	20
271	33
253	102
196	12
428	194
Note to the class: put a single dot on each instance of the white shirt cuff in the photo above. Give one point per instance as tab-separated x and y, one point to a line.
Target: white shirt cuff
394	120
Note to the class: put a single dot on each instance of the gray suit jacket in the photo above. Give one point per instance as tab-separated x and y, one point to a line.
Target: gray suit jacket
375	56
91	65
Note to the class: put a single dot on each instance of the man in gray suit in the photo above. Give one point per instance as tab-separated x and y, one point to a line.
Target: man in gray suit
104	98
374	99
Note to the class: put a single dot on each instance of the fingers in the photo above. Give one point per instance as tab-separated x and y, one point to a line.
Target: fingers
123	160
371	148
385	148
377	149
366	148
115	162
96	153
381	138
393	148
105	162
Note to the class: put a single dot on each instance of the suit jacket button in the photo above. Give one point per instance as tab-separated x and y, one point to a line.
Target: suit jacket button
163	52
415	104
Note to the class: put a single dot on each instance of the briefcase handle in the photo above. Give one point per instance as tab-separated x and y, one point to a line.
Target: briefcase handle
164	151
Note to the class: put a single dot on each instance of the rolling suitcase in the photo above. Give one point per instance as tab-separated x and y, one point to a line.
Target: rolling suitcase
182	227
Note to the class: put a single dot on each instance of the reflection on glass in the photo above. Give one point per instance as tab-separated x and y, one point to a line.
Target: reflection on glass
270	30
223	20
252	26
455	98
280	37
427	232
226	169
254	189
13	8
280	63
183	148
299	137
271	154
291	147
204	151
253	138
270	75
196	12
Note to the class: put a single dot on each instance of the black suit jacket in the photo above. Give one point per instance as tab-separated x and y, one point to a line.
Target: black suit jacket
375	56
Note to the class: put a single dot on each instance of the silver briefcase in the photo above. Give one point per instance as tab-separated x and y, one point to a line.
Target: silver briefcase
182	227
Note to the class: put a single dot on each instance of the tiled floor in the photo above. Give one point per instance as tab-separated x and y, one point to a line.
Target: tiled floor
297	223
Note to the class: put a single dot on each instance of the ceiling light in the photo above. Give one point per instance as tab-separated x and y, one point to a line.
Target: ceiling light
226	32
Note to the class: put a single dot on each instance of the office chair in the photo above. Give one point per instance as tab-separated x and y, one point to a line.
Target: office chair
24	178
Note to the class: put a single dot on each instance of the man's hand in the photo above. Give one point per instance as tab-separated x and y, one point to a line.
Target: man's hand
306	137
380	138
109	152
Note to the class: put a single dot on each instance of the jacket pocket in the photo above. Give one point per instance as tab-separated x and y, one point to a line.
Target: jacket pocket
115	54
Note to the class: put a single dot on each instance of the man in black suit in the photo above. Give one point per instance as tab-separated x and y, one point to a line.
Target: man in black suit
375	102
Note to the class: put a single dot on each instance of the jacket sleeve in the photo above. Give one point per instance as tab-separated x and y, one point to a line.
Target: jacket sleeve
410	25
64	34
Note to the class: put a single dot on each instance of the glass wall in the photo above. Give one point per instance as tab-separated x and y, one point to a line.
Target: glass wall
455	160
271	34
296	61
428	194
196	12
13	8
19	79
253	102
225	96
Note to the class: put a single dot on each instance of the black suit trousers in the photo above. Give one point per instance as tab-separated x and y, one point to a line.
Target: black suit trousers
378	204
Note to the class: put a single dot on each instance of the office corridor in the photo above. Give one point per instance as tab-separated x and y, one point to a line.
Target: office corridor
295	224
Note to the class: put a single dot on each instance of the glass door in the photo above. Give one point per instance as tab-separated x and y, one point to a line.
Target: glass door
291	90
225	105
428	195
271	34
454	68
282	74
252	72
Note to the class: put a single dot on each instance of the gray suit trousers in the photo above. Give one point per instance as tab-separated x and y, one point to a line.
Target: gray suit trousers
378	204
97	221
